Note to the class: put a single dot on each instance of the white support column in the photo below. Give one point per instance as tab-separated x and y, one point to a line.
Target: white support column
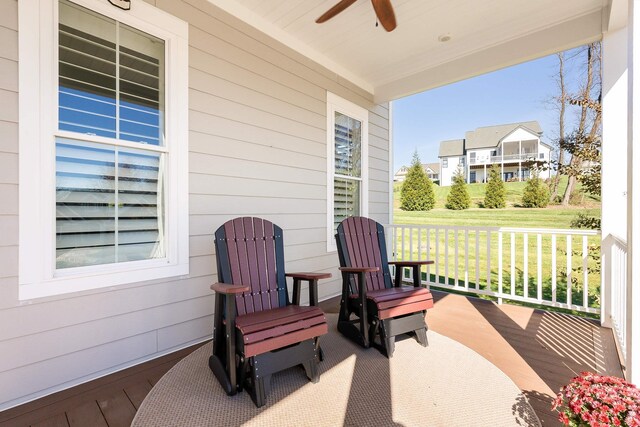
614	154
519	160
390	163
633	188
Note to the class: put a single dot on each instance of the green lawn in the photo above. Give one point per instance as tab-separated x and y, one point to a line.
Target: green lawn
552	217
475	273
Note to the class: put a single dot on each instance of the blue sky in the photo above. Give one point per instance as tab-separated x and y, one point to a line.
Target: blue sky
514	94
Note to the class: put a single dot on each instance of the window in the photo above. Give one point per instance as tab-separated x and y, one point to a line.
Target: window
461	161
114	149
445	163
347	141
472	177
472	158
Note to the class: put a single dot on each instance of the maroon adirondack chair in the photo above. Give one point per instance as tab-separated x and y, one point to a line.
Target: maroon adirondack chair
257	330
382	310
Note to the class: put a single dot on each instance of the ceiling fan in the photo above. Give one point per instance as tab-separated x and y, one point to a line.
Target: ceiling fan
383	9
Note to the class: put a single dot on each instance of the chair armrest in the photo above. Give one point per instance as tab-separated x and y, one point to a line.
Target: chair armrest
309	276
312	278
227	289
410	263
415	265
358	269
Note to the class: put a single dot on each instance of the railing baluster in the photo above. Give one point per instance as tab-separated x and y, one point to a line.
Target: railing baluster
585	272
446	256
554	272
437	255
402	230
419	243
569	271
539	250
513	263
525	270
477	259
455	262
466	259
500	290
411	243
429	257
395	244
488	260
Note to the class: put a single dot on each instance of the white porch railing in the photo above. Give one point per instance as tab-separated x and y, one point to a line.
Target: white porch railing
507	158
519	264
614	252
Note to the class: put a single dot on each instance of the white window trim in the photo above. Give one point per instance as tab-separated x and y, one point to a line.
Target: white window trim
336	103
38	81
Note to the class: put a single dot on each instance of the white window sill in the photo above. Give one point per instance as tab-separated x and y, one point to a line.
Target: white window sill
149	270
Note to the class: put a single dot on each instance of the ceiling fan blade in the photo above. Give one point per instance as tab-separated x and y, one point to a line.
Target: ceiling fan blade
384	12
336	9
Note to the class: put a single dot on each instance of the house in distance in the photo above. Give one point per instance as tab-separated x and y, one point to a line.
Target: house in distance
515	148
431	169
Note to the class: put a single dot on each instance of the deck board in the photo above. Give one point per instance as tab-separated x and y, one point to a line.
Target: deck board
137	392
58	420
539	350
117	409
87	414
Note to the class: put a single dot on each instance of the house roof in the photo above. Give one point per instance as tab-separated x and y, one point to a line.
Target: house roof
402	171
435	167
490	136
452	147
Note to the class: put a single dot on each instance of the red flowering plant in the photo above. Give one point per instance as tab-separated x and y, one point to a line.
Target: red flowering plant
591	400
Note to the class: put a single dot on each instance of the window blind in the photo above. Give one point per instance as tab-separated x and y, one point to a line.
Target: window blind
347	154
109	199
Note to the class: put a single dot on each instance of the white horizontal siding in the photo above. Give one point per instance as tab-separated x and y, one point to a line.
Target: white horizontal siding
257	142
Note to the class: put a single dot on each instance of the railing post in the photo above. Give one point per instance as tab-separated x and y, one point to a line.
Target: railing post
605	282
500	287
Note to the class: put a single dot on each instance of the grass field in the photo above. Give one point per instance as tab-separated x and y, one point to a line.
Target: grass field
481	271
554	216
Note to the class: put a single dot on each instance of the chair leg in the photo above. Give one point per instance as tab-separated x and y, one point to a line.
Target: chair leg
242	375
373	330
260	385
311	369
421	336
387	341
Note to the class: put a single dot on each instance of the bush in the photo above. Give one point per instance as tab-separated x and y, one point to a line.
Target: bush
495	194
586	221
417	190
458	197
536	193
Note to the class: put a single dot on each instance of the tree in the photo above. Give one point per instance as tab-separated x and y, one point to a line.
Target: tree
579	151
536	193
495	193
417	189
458	197
562	107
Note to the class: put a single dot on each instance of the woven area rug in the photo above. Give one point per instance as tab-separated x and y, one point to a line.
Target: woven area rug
445	384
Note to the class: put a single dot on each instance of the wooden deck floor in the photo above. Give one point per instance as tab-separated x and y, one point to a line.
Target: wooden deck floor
538	350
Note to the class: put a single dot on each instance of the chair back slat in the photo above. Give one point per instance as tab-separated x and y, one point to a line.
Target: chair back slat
361	243
250	251
261	261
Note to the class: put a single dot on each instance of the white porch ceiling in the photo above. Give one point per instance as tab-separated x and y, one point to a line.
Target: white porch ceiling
485	35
